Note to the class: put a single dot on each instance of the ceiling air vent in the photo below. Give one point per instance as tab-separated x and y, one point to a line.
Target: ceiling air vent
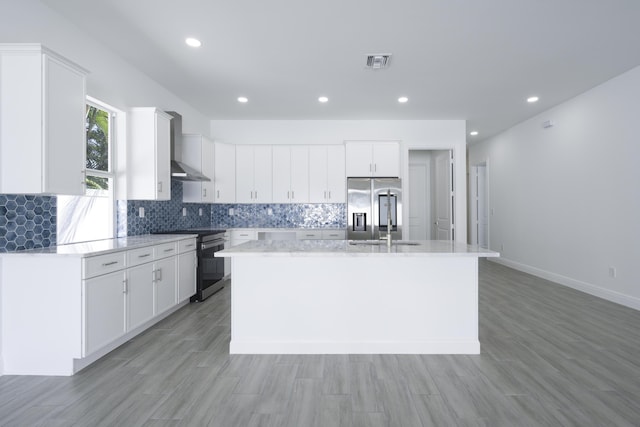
378	60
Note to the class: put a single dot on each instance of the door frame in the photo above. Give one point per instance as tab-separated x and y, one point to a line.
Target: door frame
473	205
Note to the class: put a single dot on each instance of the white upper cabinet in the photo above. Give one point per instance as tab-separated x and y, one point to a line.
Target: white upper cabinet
198	152
42	114
381	159
224	173
327	174
290	174
148	155
253	174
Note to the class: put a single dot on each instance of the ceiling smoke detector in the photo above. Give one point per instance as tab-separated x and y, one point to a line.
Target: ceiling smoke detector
378	60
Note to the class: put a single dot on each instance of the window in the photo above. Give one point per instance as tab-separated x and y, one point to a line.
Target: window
91	217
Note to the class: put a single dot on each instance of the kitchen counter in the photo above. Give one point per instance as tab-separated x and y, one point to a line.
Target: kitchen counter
346	248
334	297
101	247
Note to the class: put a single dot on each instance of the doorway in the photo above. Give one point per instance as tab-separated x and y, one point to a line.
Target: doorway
431	196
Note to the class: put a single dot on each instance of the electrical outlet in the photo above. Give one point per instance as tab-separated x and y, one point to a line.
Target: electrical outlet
231	212
184	211
141	212
269	211
200	211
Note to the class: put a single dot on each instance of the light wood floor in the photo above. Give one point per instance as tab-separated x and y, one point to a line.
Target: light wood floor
551	356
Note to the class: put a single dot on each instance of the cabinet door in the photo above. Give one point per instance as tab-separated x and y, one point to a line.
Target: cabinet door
208	170
104	310
281	174
359	159
186	275
317	174
299	174
386	159
244	174
139	295
263	174
224	173
64	128
336	176
164	284
163	157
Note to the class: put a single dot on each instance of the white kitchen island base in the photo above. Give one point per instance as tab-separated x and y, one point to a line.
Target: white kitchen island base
366	302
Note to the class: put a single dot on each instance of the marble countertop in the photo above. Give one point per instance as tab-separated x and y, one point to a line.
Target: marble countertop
101	247
342	248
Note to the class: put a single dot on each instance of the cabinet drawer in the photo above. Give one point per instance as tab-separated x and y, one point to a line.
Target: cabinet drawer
103	264
165	250
243	235
308	234
333	234
139	256
186	245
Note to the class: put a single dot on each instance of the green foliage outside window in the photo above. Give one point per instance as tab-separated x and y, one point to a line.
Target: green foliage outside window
97	127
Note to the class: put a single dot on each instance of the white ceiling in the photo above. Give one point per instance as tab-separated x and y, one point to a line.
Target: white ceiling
476	60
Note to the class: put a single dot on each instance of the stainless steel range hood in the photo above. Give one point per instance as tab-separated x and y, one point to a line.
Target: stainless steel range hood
179	170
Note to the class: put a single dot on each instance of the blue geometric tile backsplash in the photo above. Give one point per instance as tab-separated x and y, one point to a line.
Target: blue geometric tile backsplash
27	221
163	215
304	215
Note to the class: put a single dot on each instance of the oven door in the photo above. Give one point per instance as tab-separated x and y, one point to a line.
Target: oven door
210	269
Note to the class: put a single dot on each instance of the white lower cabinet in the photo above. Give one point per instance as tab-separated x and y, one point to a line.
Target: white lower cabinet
139	295
164	278
187	264
104	305
88	305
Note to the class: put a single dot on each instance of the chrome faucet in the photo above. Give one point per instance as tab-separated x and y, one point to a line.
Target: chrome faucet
389	223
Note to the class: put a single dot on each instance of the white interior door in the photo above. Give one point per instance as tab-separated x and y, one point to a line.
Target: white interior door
418	198
443	195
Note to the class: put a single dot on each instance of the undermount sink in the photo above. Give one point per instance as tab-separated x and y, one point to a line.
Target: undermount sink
382	242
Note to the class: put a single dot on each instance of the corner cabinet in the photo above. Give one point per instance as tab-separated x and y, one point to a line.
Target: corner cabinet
253	174
148	154
327	183
372	159
198	152
42	112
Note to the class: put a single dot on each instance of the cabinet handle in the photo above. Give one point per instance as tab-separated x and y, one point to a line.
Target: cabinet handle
217	194
160	187
125	286
325	194
168	250
144	256
375	167
158	274
190	245
288	195
370	167
256	195
329	194
204	192
293	195
107	264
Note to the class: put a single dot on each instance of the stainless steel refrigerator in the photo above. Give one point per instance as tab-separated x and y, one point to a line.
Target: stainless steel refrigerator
368	202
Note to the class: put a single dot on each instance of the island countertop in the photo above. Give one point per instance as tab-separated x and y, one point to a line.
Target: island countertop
351	248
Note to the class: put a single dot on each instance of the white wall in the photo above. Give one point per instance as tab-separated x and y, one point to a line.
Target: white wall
566	200
413	134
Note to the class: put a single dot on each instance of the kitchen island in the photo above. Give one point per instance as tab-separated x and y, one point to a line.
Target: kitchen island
344	297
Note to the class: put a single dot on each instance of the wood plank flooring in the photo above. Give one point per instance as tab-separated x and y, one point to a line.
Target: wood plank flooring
551	356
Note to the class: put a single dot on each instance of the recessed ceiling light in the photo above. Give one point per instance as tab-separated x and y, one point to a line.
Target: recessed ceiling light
403	99
473	133
243	99
323	99
532	99
190	41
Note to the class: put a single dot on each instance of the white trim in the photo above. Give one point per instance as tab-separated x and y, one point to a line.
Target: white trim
361	347
588	288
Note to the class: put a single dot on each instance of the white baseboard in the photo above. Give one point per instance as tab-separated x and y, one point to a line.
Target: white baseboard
471	346
597	291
